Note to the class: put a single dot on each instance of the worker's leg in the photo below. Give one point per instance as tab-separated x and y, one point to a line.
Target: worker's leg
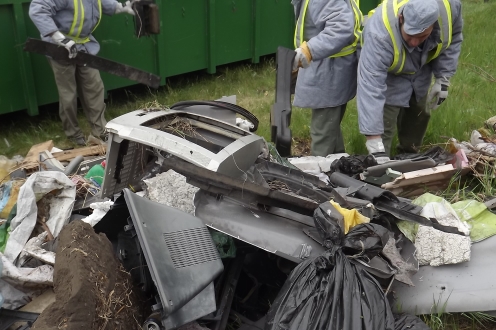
65	78
91	94
390	118
412	125
325	130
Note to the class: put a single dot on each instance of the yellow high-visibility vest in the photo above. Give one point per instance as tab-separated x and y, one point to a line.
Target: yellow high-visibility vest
350	49
390	10
79	16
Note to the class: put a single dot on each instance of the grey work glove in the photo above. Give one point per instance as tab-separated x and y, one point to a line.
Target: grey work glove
69	44
438	93
126	8
376	149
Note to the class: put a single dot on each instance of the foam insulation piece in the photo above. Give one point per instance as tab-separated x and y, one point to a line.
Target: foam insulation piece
437	248
170	188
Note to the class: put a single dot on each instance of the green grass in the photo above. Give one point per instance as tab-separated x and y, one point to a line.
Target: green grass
460	321
471	97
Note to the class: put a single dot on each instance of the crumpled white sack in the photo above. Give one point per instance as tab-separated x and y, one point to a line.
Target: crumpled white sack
37	186
99	211
437	248
478	143
26	277
13	298
33	249
19	285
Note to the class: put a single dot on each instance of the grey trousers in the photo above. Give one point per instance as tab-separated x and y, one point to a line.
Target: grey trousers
412	124
325	130
73	80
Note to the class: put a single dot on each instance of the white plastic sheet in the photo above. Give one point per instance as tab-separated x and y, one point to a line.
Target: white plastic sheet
99	211
38	185
316	163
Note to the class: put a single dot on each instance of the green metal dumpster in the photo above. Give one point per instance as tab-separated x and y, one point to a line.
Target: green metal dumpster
368	5
195	35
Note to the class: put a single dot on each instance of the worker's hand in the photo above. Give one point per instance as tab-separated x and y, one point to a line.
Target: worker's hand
438	93
126	8
63	41
375	147
303	57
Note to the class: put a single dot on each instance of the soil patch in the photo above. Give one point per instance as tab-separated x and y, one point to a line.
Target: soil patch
300	147
92	289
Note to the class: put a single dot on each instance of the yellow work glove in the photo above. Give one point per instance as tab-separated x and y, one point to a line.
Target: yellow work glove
351	217
303	57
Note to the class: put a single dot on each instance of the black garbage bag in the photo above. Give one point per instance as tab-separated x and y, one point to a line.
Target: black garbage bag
330	291
408	322
352	165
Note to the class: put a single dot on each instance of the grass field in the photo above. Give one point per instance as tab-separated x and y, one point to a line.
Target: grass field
472	99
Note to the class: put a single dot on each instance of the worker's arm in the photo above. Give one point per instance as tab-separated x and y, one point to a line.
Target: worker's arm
109	6
444	66
339	21
42	12
375	59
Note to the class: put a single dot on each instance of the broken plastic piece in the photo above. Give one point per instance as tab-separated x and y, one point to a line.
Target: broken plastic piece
280	114
407	165
181	257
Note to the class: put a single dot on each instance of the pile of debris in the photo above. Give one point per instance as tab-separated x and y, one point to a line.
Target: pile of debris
480	150
187	219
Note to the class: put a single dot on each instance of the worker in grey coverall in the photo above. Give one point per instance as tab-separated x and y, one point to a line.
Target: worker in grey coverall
404	44
327	32
70	23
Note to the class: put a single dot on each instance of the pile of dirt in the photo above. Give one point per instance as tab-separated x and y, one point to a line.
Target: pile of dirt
93	291
300	147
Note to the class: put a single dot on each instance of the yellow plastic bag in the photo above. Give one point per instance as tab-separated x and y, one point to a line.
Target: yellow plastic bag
351	217
5	167
14	192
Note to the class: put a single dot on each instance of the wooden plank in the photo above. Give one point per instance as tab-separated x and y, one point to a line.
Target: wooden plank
85	151
34	153
419	189
428	178
427	171
31	161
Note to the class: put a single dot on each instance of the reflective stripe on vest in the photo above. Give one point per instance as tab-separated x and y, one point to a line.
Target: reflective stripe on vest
350	49
390	9
75	36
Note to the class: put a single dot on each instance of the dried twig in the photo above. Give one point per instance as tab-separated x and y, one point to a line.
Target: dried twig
183	128
481	72
112	304
482	152
45	227
153	106
79	250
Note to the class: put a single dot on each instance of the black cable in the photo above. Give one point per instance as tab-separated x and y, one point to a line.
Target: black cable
223	105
